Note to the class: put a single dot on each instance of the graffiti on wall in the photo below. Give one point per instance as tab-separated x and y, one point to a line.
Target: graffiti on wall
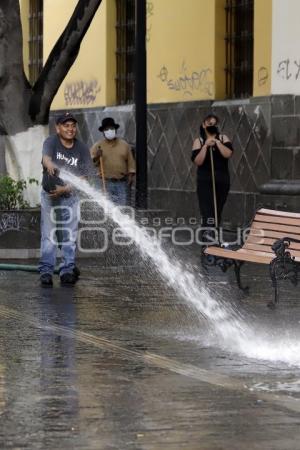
16	221
188	81
81	93
262	76
150	12
288	69
9	222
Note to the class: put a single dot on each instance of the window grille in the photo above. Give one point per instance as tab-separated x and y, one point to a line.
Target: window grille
125	51
239	48
35	39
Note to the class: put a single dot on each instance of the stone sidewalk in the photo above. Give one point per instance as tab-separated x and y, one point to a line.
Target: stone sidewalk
120	362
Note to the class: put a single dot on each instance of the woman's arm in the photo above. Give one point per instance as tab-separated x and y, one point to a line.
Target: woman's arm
200	157
225	147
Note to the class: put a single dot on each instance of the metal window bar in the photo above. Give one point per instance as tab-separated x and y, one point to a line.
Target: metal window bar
125	29
35	39
239	48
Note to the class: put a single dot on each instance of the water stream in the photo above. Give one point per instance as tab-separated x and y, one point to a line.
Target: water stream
234	333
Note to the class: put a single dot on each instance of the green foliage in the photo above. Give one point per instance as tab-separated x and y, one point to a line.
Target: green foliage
11	193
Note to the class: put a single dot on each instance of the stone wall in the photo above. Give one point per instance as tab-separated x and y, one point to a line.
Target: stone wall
172	129
265	133
265	167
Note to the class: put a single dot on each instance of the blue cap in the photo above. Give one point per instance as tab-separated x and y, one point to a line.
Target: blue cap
65	117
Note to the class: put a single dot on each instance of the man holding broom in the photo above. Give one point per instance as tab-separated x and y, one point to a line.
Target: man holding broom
113	157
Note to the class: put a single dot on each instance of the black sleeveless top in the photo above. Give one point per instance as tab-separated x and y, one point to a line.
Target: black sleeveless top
220	163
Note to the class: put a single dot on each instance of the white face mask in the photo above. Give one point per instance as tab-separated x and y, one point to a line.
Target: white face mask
110	134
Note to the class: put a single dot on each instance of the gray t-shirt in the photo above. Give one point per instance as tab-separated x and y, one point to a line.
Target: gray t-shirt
76	159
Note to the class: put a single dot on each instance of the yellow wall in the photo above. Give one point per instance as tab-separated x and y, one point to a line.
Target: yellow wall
24	7
185	51
220	49
262	47
181	51
111	45
85	86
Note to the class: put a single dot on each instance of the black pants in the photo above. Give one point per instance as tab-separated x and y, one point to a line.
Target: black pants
206	199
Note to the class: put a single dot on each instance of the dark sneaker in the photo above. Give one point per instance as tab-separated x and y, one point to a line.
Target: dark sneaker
76	273
46	280
68	279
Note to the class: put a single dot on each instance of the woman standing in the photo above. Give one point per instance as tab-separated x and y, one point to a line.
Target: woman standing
211	146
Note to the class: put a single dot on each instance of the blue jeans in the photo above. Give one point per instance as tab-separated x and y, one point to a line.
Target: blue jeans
118	192
58	215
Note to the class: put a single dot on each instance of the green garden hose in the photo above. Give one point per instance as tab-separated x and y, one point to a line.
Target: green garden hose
22	267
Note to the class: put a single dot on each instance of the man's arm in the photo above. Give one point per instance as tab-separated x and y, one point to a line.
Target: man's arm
49	165
47	154
60	190
96	153
52	169
131	167
86	160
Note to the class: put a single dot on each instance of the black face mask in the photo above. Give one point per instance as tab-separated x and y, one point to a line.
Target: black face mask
212	129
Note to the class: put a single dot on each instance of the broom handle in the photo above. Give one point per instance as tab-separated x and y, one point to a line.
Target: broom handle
102	174
214	187
102	168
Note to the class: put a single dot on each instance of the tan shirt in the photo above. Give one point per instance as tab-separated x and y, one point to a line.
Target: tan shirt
117	158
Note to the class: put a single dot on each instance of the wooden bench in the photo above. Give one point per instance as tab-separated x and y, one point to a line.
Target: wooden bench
274	239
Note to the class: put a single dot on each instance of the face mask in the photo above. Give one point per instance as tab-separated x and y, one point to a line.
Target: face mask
110	134
212	129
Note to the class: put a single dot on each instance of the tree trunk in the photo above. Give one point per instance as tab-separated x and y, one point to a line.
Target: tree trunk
61	59
15	90
24	109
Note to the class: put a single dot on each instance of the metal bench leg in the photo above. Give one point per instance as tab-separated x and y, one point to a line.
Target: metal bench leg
237	270
272	303
283	266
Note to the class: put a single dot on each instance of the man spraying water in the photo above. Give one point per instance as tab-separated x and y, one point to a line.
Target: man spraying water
59	200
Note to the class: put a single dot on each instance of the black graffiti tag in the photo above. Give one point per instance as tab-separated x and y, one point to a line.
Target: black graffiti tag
163	74
81	92
188	82
297	64
289	69
149	8
149	12
9	222
283	69
263	76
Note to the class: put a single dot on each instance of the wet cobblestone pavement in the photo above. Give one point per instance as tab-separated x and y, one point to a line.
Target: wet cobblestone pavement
119	362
